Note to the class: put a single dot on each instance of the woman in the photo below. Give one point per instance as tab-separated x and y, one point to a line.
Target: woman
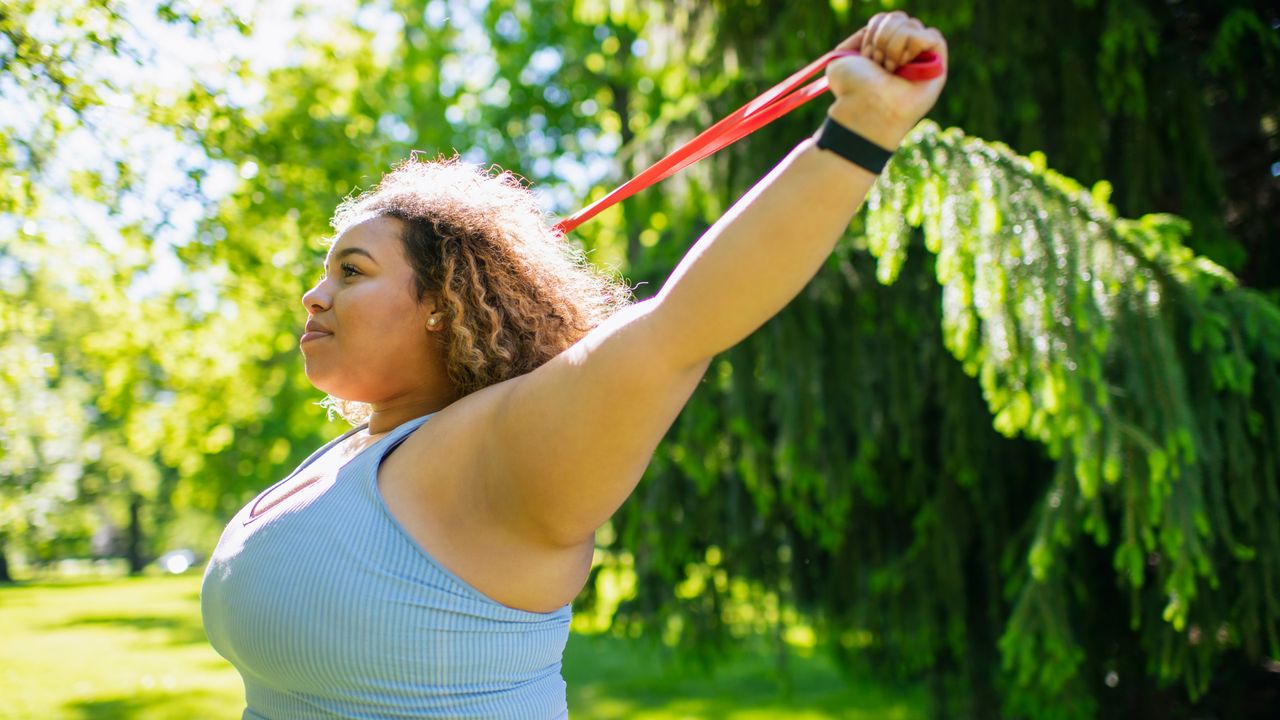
422	565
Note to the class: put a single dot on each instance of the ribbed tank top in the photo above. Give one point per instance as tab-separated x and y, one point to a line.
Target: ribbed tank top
330	609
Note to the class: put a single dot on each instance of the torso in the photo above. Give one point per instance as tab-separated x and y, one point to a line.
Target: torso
436	505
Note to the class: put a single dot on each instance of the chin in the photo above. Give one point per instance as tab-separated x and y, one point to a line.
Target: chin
337	389
323	382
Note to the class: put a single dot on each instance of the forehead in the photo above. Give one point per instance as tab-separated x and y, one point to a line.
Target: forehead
379	235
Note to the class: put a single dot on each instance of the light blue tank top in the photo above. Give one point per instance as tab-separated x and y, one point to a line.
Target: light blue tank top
329	609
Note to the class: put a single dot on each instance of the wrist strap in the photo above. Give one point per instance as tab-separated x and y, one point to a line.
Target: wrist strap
852	147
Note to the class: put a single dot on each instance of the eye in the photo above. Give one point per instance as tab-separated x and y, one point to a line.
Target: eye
348	270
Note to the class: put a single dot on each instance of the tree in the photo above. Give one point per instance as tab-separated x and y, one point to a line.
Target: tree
143	369
1008	441
42	426
844	438
909	465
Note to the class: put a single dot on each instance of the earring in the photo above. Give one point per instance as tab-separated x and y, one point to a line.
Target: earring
432	321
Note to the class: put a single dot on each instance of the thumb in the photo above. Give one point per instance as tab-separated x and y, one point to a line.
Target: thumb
849	73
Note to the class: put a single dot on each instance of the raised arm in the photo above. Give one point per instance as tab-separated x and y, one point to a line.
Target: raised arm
571	439
772	242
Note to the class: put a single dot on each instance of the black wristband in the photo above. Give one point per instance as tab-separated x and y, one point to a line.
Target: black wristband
852	147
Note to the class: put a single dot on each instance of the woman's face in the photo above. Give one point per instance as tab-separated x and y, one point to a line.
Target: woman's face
368	338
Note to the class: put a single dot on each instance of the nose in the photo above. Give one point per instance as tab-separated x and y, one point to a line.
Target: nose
317	299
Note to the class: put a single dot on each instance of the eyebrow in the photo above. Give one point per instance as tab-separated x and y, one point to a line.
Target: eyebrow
350	251
353	251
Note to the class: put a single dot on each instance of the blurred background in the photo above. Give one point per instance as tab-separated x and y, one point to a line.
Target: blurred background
1013	453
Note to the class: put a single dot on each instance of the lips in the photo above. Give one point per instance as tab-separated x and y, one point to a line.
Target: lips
313	331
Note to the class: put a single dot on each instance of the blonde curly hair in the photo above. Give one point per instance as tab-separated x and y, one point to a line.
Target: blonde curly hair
515	292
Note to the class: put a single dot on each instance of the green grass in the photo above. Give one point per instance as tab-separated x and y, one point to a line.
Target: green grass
134	648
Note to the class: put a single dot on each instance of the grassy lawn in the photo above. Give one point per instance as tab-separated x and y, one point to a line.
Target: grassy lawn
134	648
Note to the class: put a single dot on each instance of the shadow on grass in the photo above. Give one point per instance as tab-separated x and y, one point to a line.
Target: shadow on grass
43	584
153	706
181	630
49	581
611	677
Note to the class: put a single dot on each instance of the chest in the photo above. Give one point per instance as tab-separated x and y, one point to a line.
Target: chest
283	587
320	587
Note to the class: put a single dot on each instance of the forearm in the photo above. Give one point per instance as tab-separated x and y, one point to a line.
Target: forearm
767	247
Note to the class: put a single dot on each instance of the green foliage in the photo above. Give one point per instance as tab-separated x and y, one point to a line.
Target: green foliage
124	388
1008	440
1134	362
41	424
1147	376
846	465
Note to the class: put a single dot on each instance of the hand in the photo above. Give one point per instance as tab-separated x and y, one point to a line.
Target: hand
869	98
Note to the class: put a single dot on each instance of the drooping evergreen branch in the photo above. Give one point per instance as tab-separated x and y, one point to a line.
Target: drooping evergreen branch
842	465
1136	364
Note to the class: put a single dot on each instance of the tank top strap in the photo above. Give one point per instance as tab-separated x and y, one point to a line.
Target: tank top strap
322	450
393	439
378	452
399	434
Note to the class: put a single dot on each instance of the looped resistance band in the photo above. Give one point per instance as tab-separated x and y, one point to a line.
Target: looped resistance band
771	105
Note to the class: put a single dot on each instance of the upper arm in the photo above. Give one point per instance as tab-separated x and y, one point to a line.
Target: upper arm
567	443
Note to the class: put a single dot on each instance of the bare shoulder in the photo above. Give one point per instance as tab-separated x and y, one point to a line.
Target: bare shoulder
433	485
507	486
444	456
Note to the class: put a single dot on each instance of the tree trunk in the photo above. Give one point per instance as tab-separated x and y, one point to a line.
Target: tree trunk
133	548
4	561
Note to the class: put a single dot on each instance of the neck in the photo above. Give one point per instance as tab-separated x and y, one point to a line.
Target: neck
388	415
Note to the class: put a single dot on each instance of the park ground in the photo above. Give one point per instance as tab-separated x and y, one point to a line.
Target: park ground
133	648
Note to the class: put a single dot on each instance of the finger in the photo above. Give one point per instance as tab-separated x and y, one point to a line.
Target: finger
918	44
868	42
859	39
895	41
886	22
884	41
902	43
932	40
877	42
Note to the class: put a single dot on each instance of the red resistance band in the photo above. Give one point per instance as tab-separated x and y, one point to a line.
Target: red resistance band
773	104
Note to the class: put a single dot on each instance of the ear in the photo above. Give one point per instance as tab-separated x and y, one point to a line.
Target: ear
435	312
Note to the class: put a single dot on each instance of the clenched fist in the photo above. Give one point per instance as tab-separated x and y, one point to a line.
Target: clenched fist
869	97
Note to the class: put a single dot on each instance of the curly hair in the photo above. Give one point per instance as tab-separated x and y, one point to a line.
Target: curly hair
515	292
